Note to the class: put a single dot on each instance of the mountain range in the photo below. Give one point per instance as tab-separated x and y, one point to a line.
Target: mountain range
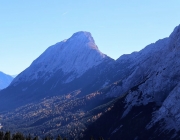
75	90
5	80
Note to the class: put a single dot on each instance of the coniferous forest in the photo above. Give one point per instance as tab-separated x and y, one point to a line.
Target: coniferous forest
19	136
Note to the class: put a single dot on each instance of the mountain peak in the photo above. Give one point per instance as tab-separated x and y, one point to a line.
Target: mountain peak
175	38
75	55
176	32
82	34
83	37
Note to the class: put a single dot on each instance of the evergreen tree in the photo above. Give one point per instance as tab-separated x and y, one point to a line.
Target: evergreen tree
46	138
1	135
18	136
49	137
28	137
58	137
7	136
35	138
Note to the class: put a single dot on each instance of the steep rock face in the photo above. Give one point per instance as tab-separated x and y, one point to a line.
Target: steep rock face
159	69
5	80
157	65
157	76
70	65
152	84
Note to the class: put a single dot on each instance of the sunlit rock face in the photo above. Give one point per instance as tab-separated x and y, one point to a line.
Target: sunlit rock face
75	55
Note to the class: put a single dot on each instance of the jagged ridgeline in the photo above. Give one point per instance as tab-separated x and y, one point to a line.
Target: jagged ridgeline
76	91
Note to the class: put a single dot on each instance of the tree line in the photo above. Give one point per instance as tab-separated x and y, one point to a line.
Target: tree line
19	136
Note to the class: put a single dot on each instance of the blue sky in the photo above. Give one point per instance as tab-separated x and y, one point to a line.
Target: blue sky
119	27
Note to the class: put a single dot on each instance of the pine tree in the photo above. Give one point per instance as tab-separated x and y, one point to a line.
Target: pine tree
18	136
28	137
7	136
58	137
1	135
35	138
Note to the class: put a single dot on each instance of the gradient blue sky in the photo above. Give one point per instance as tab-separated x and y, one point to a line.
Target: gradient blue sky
119	27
